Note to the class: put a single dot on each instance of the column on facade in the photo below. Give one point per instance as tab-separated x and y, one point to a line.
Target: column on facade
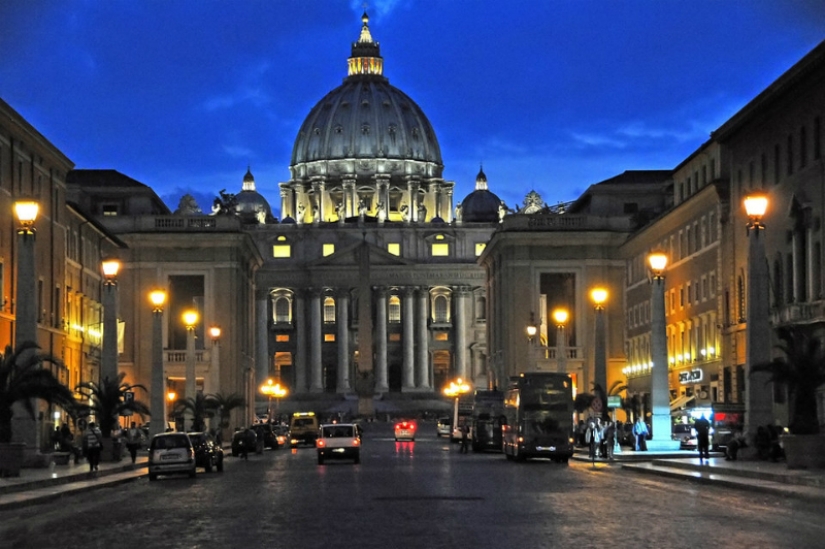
449	196
381	385
407	338
412	192
350	202
810	266
316	382
286	203
318	189
422	340
300	204
262	361
300	342
460	330
342	321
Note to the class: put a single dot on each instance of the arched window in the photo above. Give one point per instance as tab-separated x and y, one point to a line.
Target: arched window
441	309
394	309
282	310
329	310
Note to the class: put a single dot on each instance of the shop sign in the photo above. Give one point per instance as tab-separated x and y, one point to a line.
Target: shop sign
691	376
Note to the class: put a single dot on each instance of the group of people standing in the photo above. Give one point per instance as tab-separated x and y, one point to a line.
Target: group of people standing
602	438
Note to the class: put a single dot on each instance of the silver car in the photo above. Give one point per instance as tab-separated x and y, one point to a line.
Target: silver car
171	453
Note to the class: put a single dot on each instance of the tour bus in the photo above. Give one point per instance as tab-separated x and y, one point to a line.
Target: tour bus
488	411
538	414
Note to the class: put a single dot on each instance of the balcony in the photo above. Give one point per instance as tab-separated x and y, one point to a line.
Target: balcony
799	313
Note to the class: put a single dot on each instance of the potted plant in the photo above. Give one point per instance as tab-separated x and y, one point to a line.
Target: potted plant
801	370
22	380
106	401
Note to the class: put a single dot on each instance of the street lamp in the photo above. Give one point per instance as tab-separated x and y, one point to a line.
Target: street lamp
599	297
158	403
560	317
109	268
25	329
455	389
190	320
272	389
215	359
659	385
758	397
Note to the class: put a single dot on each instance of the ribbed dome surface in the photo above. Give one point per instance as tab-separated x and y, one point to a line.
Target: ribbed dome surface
480	206
366	117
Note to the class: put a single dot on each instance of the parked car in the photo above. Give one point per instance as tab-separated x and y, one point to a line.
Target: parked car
171	453
338	441
244	441
207	453
405	430
686	435
266	433
282	434
444	426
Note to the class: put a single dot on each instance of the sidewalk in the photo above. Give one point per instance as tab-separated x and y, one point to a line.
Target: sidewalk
35	486
743	474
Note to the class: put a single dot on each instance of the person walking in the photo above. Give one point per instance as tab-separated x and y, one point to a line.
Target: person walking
92	444
702	426
465	438
593	437
640	432
133	441
610	439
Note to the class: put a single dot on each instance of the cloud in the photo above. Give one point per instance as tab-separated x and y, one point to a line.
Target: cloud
238	152
256	96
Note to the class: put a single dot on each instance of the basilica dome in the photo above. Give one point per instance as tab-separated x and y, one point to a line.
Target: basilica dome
250	205
481	205
366	117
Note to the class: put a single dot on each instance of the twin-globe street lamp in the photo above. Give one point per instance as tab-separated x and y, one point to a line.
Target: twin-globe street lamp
272	389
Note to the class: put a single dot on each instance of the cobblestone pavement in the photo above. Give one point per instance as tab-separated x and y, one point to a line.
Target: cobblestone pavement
421	494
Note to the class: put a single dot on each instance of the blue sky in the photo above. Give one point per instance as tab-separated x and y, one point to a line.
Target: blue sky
550	95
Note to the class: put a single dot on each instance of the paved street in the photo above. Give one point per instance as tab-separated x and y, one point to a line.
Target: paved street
413	495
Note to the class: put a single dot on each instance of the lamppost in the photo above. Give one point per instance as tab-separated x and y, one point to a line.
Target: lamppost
758	406
215	359
190	320
659	386
158	402
26	313
599	297
272	389
25	329
108	367
560	317
455	390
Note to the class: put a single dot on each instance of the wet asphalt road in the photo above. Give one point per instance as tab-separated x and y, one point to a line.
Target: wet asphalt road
413	495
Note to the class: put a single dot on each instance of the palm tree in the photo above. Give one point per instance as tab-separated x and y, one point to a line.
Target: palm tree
200	407
223	406
802	371
107	400
23	379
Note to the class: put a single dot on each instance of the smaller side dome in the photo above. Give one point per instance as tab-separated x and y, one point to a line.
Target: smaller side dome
251	206
481	205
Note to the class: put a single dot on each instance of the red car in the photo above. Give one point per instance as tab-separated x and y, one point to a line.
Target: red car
405	430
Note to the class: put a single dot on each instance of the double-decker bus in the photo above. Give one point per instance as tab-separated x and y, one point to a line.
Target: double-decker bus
488	413
538	411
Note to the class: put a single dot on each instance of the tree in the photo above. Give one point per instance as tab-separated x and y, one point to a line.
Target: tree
802	371
23	379
223	406
107	400
201	407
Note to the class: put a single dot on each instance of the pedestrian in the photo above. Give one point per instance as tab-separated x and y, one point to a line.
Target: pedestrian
640	433
610	438
736	443
603	440
593	437
55	439
92	444
117	441
465	438
133	441
702	426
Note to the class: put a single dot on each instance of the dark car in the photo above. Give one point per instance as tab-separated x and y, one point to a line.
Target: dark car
244	441
266	432
207	452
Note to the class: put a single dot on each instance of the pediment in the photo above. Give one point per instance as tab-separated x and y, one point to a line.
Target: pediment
350	256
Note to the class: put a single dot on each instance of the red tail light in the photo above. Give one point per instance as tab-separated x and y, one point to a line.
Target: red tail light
319	443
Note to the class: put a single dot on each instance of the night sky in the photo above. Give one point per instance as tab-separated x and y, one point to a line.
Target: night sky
550	95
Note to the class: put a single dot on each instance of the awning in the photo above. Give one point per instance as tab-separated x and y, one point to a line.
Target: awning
680	402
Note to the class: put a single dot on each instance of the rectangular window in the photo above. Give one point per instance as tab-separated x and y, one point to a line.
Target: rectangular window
282	338
281	250
441	336
790	155
329	338
777	155
681	297
817	138
109	210
395	337
329	249
440	249
394	248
